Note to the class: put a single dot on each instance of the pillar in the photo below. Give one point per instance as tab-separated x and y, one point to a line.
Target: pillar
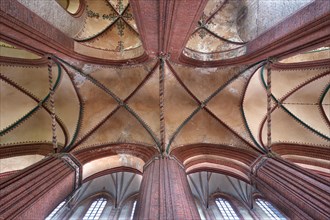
298	193
165	192
35	191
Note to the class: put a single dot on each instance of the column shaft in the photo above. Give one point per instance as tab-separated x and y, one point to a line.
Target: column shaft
297	192
34	192
165	193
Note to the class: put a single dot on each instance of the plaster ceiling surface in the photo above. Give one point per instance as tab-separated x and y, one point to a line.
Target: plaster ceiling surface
105	163
255	104
163	105
319	164
213	157
7	108
303	102
33	97
12	51
124	106
313	55
19	162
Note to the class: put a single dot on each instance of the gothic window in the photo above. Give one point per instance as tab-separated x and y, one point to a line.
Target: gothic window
226	210
95	210
270	210
54	212
133	210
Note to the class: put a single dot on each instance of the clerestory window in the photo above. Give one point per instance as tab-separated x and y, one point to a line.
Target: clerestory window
226	210
55	211
133	210
95	210
270	210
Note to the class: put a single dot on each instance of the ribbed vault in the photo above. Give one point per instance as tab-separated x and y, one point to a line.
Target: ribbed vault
208	118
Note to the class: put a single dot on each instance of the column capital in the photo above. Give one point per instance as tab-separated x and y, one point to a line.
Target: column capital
160	157
257	164
76	166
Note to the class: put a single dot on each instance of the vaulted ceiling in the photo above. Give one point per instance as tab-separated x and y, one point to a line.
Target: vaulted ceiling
206	117
109	20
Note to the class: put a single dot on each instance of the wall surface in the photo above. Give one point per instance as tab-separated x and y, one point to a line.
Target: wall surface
257	16
54	14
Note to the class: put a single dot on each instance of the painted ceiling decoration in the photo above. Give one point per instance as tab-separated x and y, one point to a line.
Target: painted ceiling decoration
216	36
109	29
